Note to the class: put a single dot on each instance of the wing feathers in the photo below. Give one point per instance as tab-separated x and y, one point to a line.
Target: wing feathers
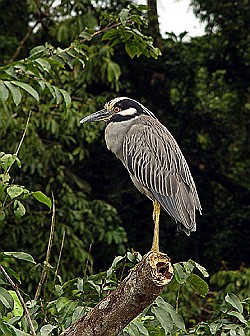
157	165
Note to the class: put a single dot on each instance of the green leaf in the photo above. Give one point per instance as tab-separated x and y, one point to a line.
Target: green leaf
177	319
68	58
110	34
131	329
37	50
94	286
114	265
163	317
6	298
155	52
214	327
198	284
234	301
47	329
188	266
5	178
168	308
59	61
57	94
136	328
42	83
4	92
113	71
238	315
17	255
20	210
16	94
202	269
7	161
124	15
39	196
2	215
6	329
27	88
66	97
17	160
10	71
61	303
66	308
179	273
78	313
51	89
132	49
14	191
241	331
44	64
86	35
18	308
12	273
19	332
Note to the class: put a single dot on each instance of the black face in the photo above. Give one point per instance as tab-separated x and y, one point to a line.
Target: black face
119	109
124	108
127	103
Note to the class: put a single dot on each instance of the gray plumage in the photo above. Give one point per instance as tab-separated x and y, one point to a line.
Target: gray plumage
153	159
157	167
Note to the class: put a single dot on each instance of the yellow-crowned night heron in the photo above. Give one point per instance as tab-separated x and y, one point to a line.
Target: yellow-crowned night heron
153	159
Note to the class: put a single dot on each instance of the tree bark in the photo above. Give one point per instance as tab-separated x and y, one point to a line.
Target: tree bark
153	22
137	291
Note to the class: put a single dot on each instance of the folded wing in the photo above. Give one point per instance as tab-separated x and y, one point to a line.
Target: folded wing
157	166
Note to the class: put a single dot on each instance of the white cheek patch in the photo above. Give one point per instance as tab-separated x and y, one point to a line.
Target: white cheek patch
129	112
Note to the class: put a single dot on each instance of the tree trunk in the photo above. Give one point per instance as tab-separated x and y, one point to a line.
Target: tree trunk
137	291
153	23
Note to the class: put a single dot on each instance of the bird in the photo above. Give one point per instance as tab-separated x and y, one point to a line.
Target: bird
153	160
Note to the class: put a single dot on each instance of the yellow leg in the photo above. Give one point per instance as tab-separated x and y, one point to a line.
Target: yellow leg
156	215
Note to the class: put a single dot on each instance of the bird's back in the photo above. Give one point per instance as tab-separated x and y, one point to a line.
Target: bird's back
157	167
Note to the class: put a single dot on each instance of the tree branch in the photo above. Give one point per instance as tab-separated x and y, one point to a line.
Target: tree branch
46	263
25	38
137	291
15	287
153	23
41	16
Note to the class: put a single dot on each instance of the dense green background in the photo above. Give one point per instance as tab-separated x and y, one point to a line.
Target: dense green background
197	88
61	62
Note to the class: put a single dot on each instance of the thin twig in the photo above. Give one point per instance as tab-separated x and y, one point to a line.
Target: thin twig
58	263
101	31
177	299
15	287
40	18
16	153
46	263
25	38
22	139
24	133
60	255
87	261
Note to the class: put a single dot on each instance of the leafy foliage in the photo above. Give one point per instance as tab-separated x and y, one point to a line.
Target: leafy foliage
76	56
65	303
47	59
62	62
13	195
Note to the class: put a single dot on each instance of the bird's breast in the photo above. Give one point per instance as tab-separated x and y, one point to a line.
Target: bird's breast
114	136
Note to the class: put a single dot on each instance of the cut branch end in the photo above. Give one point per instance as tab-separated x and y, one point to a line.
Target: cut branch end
137	291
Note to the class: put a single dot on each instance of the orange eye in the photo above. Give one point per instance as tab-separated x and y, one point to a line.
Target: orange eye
117	109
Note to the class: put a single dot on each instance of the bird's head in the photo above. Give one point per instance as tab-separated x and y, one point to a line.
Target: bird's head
118	109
